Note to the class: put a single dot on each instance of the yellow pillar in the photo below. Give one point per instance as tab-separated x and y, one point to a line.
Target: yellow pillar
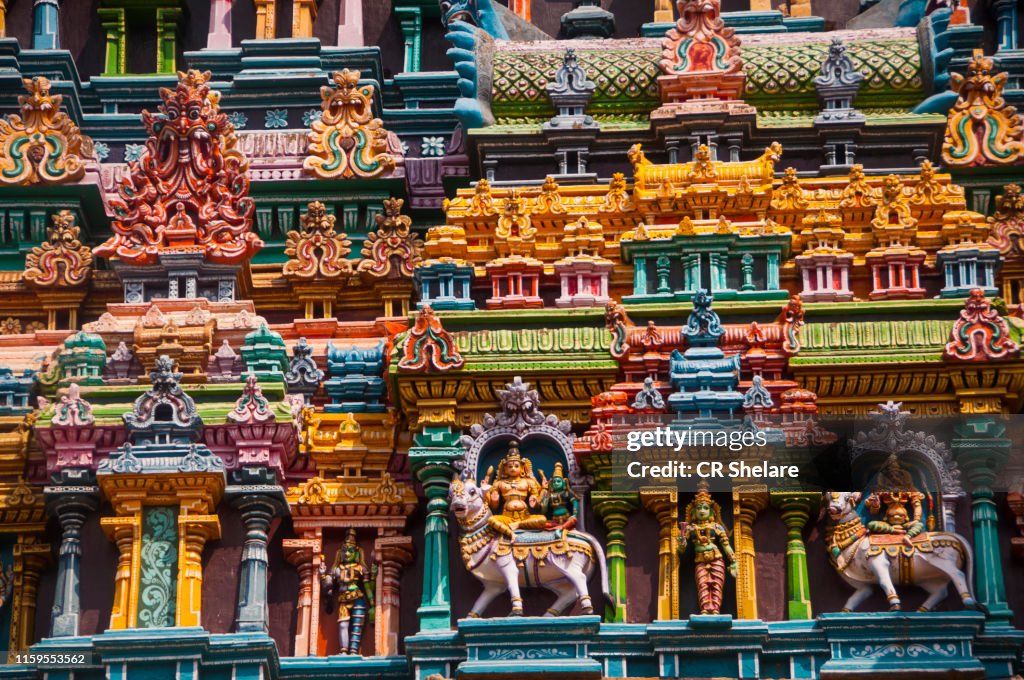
3	18
193	533
125	532
303	15
665	506
663	11
31	556
746	505
266	19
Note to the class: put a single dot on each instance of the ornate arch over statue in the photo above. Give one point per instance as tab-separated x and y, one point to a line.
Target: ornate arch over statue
520	420
927	460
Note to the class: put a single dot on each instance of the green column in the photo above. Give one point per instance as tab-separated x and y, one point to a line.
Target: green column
431	458
796	507
411	20
614	509
981	450
166	39
112	20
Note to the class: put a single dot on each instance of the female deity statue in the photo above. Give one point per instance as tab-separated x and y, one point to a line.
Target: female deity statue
560	504
352	585
703	528
514	494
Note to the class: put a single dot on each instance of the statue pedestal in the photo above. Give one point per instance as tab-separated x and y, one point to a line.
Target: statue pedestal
711	621
530	646
897	645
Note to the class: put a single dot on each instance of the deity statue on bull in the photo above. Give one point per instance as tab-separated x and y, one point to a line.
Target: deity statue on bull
703	529
350	586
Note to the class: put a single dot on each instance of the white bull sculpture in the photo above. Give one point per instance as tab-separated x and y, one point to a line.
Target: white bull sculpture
561	562
930	561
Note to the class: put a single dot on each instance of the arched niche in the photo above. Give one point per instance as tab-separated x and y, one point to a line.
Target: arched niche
927	460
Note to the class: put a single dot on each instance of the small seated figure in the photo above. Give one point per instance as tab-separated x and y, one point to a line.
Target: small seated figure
710	540
514	495
558	501
352	585
895	490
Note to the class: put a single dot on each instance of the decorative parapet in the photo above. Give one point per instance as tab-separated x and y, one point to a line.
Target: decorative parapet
427	347
980	334
166	203
62	261
347	142
982	129
82	359
42	145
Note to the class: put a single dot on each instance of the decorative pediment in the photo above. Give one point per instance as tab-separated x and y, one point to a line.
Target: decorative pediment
1008	221
428	347
518	417
42	145
700	55
980	334
72	410
251	406
347	142
393	250
62	261
318	251
982	129
189	191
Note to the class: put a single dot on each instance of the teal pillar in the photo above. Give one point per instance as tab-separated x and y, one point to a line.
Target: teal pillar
639	276
772	274
981	450
46	25
411	21
431	458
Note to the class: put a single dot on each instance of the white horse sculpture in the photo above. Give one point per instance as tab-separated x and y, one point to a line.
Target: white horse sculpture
561	563
931	561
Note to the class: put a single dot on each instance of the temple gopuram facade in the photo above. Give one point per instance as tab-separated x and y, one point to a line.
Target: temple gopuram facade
325	325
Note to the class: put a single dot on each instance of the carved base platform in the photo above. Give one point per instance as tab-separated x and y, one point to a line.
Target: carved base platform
902	645
526	647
